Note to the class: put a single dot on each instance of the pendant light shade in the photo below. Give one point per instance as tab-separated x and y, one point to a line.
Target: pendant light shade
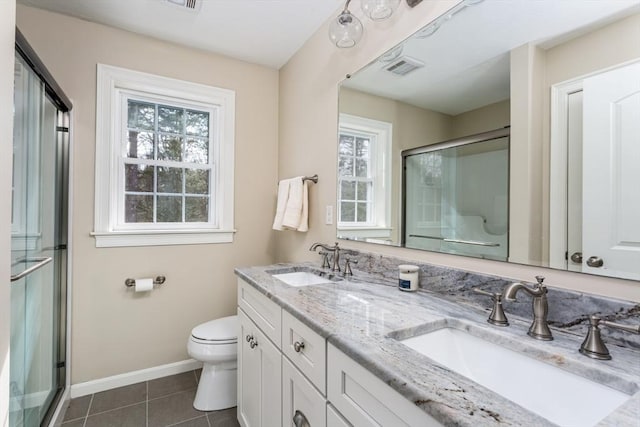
346	30
377	10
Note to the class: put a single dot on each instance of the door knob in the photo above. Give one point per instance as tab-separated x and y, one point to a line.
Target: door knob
595	261
576	257
299	420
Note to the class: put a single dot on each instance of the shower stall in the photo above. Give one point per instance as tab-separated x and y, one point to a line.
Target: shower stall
38	241
455	196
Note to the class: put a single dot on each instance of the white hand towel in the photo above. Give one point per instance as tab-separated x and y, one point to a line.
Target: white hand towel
293	209
303	227
283	196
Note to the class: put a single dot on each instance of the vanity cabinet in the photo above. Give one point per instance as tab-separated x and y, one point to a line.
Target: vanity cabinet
289	376
281	366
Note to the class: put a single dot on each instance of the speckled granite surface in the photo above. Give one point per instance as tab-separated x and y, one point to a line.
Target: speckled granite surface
365	316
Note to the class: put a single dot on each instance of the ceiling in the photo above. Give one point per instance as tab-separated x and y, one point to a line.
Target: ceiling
466	61
266	32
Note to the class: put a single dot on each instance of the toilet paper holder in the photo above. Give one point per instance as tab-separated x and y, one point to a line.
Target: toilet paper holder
159	280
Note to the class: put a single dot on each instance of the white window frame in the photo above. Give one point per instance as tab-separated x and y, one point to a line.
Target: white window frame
381	174
114	86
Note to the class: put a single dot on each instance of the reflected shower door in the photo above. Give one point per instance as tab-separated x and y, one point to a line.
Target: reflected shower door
36	253
456	196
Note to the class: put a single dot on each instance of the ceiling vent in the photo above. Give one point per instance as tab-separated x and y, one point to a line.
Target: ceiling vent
404	66
190	5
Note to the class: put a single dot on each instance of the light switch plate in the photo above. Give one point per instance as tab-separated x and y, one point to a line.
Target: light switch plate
328	218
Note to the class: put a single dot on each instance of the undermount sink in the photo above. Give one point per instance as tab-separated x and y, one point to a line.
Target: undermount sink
557	395
300	277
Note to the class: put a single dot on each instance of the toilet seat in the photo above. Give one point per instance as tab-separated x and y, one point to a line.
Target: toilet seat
213	342
219	331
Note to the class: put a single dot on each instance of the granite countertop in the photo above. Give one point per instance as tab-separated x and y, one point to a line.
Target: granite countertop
362	316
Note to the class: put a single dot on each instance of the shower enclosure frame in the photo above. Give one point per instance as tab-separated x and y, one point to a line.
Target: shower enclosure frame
62	103
452	143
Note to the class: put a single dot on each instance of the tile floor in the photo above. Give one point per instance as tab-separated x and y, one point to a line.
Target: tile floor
162	402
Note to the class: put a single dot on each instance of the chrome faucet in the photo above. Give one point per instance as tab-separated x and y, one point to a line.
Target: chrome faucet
335	262
539	328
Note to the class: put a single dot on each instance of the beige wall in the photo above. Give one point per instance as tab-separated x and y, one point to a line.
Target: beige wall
483	119
113	330
308	128
7	32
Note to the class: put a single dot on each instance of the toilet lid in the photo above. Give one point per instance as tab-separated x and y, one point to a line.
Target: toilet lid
223	329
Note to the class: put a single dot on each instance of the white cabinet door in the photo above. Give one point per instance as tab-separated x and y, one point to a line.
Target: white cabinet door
611	190
302	404
259	377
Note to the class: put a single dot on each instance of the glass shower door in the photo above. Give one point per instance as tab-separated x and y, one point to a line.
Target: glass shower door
36	290
456	196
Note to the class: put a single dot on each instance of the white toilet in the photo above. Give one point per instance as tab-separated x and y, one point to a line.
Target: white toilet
215	344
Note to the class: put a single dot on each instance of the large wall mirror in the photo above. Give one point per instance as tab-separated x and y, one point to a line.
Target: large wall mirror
501	130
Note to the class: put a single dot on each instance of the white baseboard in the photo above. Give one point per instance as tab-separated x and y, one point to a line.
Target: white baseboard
102	384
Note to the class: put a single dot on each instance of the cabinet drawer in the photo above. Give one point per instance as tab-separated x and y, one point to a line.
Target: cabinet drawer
264	312
365	400
306	349
300	399
334	419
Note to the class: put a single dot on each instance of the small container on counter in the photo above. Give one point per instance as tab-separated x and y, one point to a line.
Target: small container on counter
408	276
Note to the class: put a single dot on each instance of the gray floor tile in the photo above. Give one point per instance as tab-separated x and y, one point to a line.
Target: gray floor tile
130	416
172	409
78	408
172	384
118	397
224	418
196	422
75	423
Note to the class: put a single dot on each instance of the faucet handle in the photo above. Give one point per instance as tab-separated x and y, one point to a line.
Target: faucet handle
497	316
593	346
347	266
325	259
540	279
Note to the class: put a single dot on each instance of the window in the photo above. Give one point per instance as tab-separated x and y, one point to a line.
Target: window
164	161
363	176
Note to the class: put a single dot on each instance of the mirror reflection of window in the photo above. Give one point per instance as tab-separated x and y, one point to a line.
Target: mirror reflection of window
356	178
363	177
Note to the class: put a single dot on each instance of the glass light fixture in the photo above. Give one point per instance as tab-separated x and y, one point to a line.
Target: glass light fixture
346	30
377	10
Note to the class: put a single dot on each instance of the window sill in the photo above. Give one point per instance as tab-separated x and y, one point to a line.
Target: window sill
114	239
364	232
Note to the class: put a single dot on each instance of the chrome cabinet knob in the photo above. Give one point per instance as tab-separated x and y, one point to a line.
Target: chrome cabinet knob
249	338
576	257
253	343
298	346
595	261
